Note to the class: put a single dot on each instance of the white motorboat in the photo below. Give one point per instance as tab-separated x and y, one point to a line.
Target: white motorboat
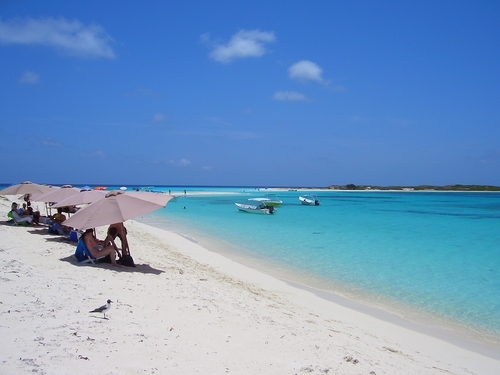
256	209
269	200
309	200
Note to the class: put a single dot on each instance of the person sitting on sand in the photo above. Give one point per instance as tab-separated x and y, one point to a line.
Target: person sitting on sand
56	223
30	211
23	210
58	217
70	209
18	218
96	247
110	240
119	230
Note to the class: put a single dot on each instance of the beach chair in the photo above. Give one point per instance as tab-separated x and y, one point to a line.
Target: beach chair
83	255
11	219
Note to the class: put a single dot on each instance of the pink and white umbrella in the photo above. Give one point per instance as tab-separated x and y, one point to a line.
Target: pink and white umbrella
26	187
82	197
116	207
56	195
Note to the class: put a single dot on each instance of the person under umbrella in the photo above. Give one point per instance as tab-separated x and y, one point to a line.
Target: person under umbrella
117	207
119	230
97	248
29	209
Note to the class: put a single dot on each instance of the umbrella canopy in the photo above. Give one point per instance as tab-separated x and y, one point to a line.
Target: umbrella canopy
82	197
116	207
56	195
26	187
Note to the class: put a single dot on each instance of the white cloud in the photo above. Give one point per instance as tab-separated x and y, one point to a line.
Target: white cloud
70	37
29	77
51	143
158	117
306	70
179	163
245	43
292	96
184	162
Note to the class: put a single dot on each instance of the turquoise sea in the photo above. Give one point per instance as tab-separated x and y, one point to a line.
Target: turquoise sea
416	254
419	255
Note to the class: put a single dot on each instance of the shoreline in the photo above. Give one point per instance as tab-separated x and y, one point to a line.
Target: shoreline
186	309
384	308
300	291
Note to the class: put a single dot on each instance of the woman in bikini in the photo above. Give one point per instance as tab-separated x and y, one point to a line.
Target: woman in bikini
97	248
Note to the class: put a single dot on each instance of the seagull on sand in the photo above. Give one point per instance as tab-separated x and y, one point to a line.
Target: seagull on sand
103	308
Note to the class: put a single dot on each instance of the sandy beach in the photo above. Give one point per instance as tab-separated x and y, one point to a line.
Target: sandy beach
186	310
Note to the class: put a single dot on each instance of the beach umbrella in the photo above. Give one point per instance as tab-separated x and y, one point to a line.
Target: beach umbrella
56	195
82	197
26	187
117	206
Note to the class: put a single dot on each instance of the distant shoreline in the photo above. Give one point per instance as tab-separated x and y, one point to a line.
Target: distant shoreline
348	187
422	188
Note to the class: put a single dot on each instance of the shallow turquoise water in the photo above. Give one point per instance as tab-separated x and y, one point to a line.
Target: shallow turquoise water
438	253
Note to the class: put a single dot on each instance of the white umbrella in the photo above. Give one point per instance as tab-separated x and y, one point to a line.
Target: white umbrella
26	187
117	207
82	197
56	195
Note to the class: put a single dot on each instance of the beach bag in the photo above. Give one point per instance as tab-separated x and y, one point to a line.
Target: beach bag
126	260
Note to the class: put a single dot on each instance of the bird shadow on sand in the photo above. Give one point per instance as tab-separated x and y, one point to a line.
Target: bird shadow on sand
141	268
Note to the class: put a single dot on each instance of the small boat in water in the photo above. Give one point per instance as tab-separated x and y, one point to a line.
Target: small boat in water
309	200
256	209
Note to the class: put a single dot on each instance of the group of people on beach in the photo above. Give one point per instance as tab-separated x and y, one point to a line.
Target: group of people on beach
107	247
25	213
97	248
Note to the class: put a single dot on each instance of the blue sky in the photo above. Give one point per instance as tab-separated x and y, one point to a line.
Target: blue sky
253	93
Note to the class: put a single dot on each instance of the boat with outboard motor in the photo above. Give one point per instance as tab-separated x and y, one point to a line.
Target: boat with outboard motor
309	200
260	208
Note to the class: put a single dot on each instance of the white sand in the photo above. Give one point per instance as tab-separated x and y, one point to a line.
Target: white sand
186	310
